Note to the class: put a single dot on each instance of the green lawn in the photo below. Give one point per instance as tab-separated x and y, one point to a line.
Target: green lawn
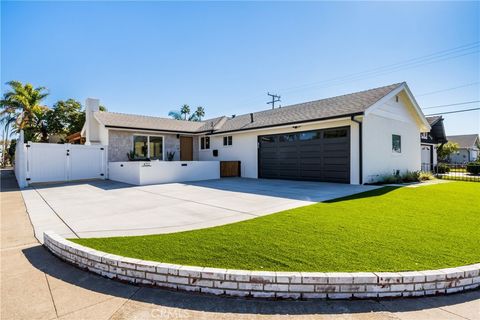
389	229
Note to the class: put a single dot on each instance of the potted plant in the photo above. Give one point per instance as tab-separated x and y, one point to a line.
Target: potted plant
170	155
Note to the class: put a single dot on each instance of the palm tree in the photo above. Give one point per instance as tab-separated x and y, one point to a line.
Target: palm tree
200	113
6	121
175	115
184	114
39	126
23	103
185	110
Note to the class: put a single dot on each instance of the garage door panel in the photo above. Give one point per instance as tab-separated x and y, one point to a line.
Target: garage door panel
319	155
311	167
336	160
313	149
286	166
308	161
336	148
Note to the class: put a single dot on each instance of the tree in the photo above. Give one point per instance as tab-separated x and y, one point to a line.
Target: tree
11	151
39	128
184	114
199	113
23	102
185	110
66	117
446	149
6	121
175	115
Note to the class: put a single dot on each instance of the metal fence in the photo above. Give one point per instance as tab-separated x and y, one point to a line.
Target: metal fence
449	171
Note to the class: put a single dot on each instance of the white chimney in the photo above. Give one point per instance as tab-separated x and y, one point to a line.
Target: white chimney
91	124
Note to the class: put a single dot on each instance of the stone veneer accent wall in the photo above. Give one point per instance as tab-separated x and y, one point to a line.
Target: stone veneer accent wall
121	142
265	284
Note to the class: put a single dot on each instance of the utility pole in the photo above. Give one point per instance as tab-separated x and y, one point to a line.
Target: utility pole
275	98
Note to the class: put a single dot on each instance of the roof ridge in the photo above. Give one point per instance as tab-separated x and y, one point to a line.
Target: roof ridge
148	116
334	97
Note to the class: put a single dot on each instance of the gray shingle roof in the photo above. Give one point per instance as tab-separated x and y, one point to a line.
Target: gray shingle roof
433	120
465	141
114	119
344	105
314	110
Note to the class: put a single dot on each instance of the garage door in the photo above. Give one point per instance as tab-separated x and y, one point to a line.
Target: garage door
318	155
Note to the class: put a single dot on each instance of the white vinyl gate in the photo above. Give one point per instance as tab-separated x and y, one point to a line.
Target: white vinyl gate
48	162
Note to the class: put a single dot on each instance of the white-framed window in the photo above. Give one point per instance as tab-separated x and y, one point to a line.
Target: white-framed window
396	143
148	147
227	141
204	143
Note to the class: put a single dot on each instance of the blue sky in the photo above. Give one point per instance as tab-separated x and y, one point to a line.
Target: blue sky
152	57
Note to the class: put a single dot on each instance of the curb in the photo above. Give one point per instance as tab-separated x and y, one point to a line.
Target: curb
266	284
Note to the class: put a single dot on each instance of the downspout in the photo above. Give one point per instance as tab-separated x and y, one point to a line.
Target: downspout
360	146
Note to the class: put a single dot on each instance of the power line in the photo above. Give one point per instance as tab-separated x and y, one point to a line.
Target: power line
435	57
453	104
447	89
382	72
448	112
401	64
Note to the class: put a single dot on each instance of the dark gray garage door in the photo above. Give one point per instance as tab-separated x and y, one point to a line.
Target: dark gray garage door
319	155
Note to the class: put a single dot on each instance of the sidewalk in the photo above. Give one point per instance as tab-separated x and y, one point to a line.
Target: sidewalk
36	285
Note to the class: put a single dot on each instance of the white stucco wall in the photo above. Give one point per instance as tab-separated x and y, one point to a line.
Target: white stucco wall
152	172
245	147
378	127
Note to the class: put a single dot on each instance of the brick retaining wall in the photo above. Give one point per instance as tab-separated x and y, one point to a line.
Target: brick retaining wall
266	284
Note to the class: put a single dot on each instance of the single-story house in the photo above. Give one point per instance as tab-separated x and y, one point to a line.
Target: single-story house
468	148
354	138
430	140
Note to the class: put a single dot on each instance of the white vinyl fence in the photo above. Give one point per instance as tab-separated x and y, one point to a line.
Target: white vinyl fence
49	162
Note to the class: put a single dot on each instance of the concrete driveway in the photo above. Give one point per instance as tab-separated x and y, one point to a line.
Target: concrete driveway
109	208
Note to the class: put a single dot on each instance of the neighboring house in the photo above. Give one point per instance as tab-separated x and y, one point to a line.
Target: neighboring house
469	148
430	140
353	138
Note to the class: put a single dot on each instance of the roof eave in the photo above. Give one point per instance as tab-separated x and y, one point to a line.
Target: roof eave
348	115
156	130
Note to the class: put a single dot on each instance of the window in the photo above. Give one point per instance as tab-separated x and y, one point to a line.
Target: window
336	133
267	139
140	146
204	143
287	138
309	135
148	147
396	143
156	148
227	141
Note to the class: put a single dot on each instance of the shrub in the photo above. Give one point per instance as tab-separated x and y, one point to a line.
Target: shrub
443	168
473	167
410	176
425	175
390	178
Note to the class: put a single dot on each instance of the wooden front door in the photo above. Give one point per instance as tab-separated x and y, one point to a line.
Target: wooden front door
186	148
